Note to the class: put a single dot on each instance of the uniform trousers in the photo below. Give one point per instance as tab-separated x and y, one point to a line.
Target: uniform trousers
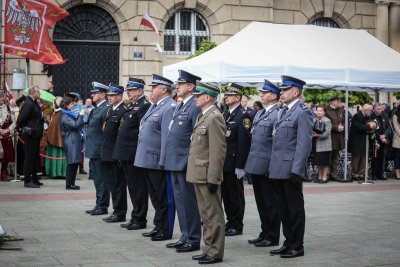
266	199
116	182
32	158
138	192
186	208
161	195
233	197
97	173
378	162
291	208
212	215
334	164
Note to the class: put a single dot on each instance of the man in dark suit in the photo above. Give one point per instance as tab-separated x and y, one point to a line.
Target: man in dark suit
94	138
360	127
180	130
291	147
238	139
30	125
125	150
382	138
151	153
113	171
257	166
249	110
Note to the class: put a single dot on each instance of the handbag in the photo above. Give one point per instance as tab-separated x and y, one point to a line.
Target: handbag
319	127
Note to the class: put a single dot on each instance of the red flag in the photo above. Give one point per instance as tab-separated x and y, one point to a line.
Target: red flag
26	30
148	22
9	93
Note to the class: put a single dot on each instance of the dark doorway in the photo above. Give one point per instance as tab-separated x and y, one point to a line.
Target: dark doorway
89	39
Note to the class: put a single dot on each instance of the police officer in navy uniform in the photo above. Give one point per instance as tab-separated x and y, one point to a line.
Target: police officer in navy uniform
94	138
257	166
125	150
178	144
291	147
113	171
238	139
150	155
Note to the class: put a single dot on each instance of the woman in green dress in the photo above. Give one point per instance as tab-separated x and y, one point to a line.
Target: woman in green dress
55	162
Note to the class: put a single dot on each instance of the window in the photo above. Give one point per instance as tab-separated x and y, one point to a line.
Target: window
326	22
184	32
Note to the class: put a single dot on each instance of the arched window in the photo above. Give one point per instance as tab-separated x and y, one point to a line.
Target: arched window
325	22
184	32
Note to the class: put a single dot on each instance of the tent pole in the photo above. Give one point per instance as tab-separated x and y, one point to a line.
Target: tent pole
346	136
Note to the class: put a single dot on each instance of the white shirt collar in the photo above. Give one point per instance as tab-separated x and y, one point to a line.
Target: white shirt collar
207	109
101	102
159	101
269	107
232	109
117	105
292	104
187	99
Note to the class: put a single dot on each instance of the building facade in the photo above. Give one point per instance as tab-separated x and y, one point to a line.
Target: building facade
104	41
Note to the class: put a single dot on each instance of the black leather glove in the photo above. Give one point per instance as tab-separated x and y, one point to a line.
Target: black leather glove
296	180
266	176
295	177
27	131
212	188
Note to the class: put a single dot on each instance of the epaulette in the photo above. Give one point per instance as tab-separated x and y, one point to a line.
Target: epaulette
304	107
216	112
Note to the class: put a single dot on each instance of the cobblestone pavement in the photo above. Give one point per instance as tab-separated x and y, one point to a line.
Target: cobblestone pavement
347	225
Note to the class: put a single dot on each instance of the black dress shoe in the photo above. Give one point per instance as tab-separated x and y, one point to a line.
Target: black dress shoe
198	257
232	232
188	248
152	233
31	185
124	225
253	241
176	244
90	211
114	218
37	183
279	251
99	212
293	253
136	226
209	260
160	237
72	187
266	243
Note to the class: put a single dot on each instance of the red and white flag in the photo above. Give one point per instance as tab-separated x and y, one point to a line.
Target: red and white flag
26	30
148	22
9	94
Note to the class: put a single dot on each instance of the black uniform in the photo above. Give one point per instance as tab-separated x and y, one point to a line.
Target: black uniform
30	121
238	139
125	150
113	171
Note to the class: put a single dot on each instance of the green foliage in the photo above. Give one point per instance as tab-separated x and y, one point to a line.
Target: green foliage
205	45
397	95
321	96
248	91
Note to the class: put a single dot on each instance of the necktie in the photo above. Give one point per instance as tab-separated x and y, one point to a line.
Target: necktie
200	115
284	110
178	108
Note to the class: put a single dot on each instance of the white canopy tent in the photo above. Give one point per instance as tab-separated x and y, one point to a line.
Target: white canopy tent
321	56
352	60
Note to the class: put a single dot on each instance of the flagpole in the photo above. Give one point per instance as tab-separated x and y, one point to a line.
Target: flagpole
137	33
27	72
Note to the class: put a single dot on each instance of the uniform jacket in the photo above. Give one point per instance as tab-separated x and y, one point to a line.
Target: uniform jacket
72	138
110	131
238	138
358	133
153	135
207	149
31	116
291	142
261	141
178	142
323	143
127	139
337	116
94	131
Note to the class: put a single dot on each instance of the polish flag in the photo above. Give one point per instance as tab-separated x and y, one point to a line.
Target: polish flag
9	93
148	22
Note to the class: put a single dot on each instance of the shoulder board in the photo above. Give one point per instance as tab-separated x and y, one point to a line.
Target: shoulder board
303	106
216	112
173	104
